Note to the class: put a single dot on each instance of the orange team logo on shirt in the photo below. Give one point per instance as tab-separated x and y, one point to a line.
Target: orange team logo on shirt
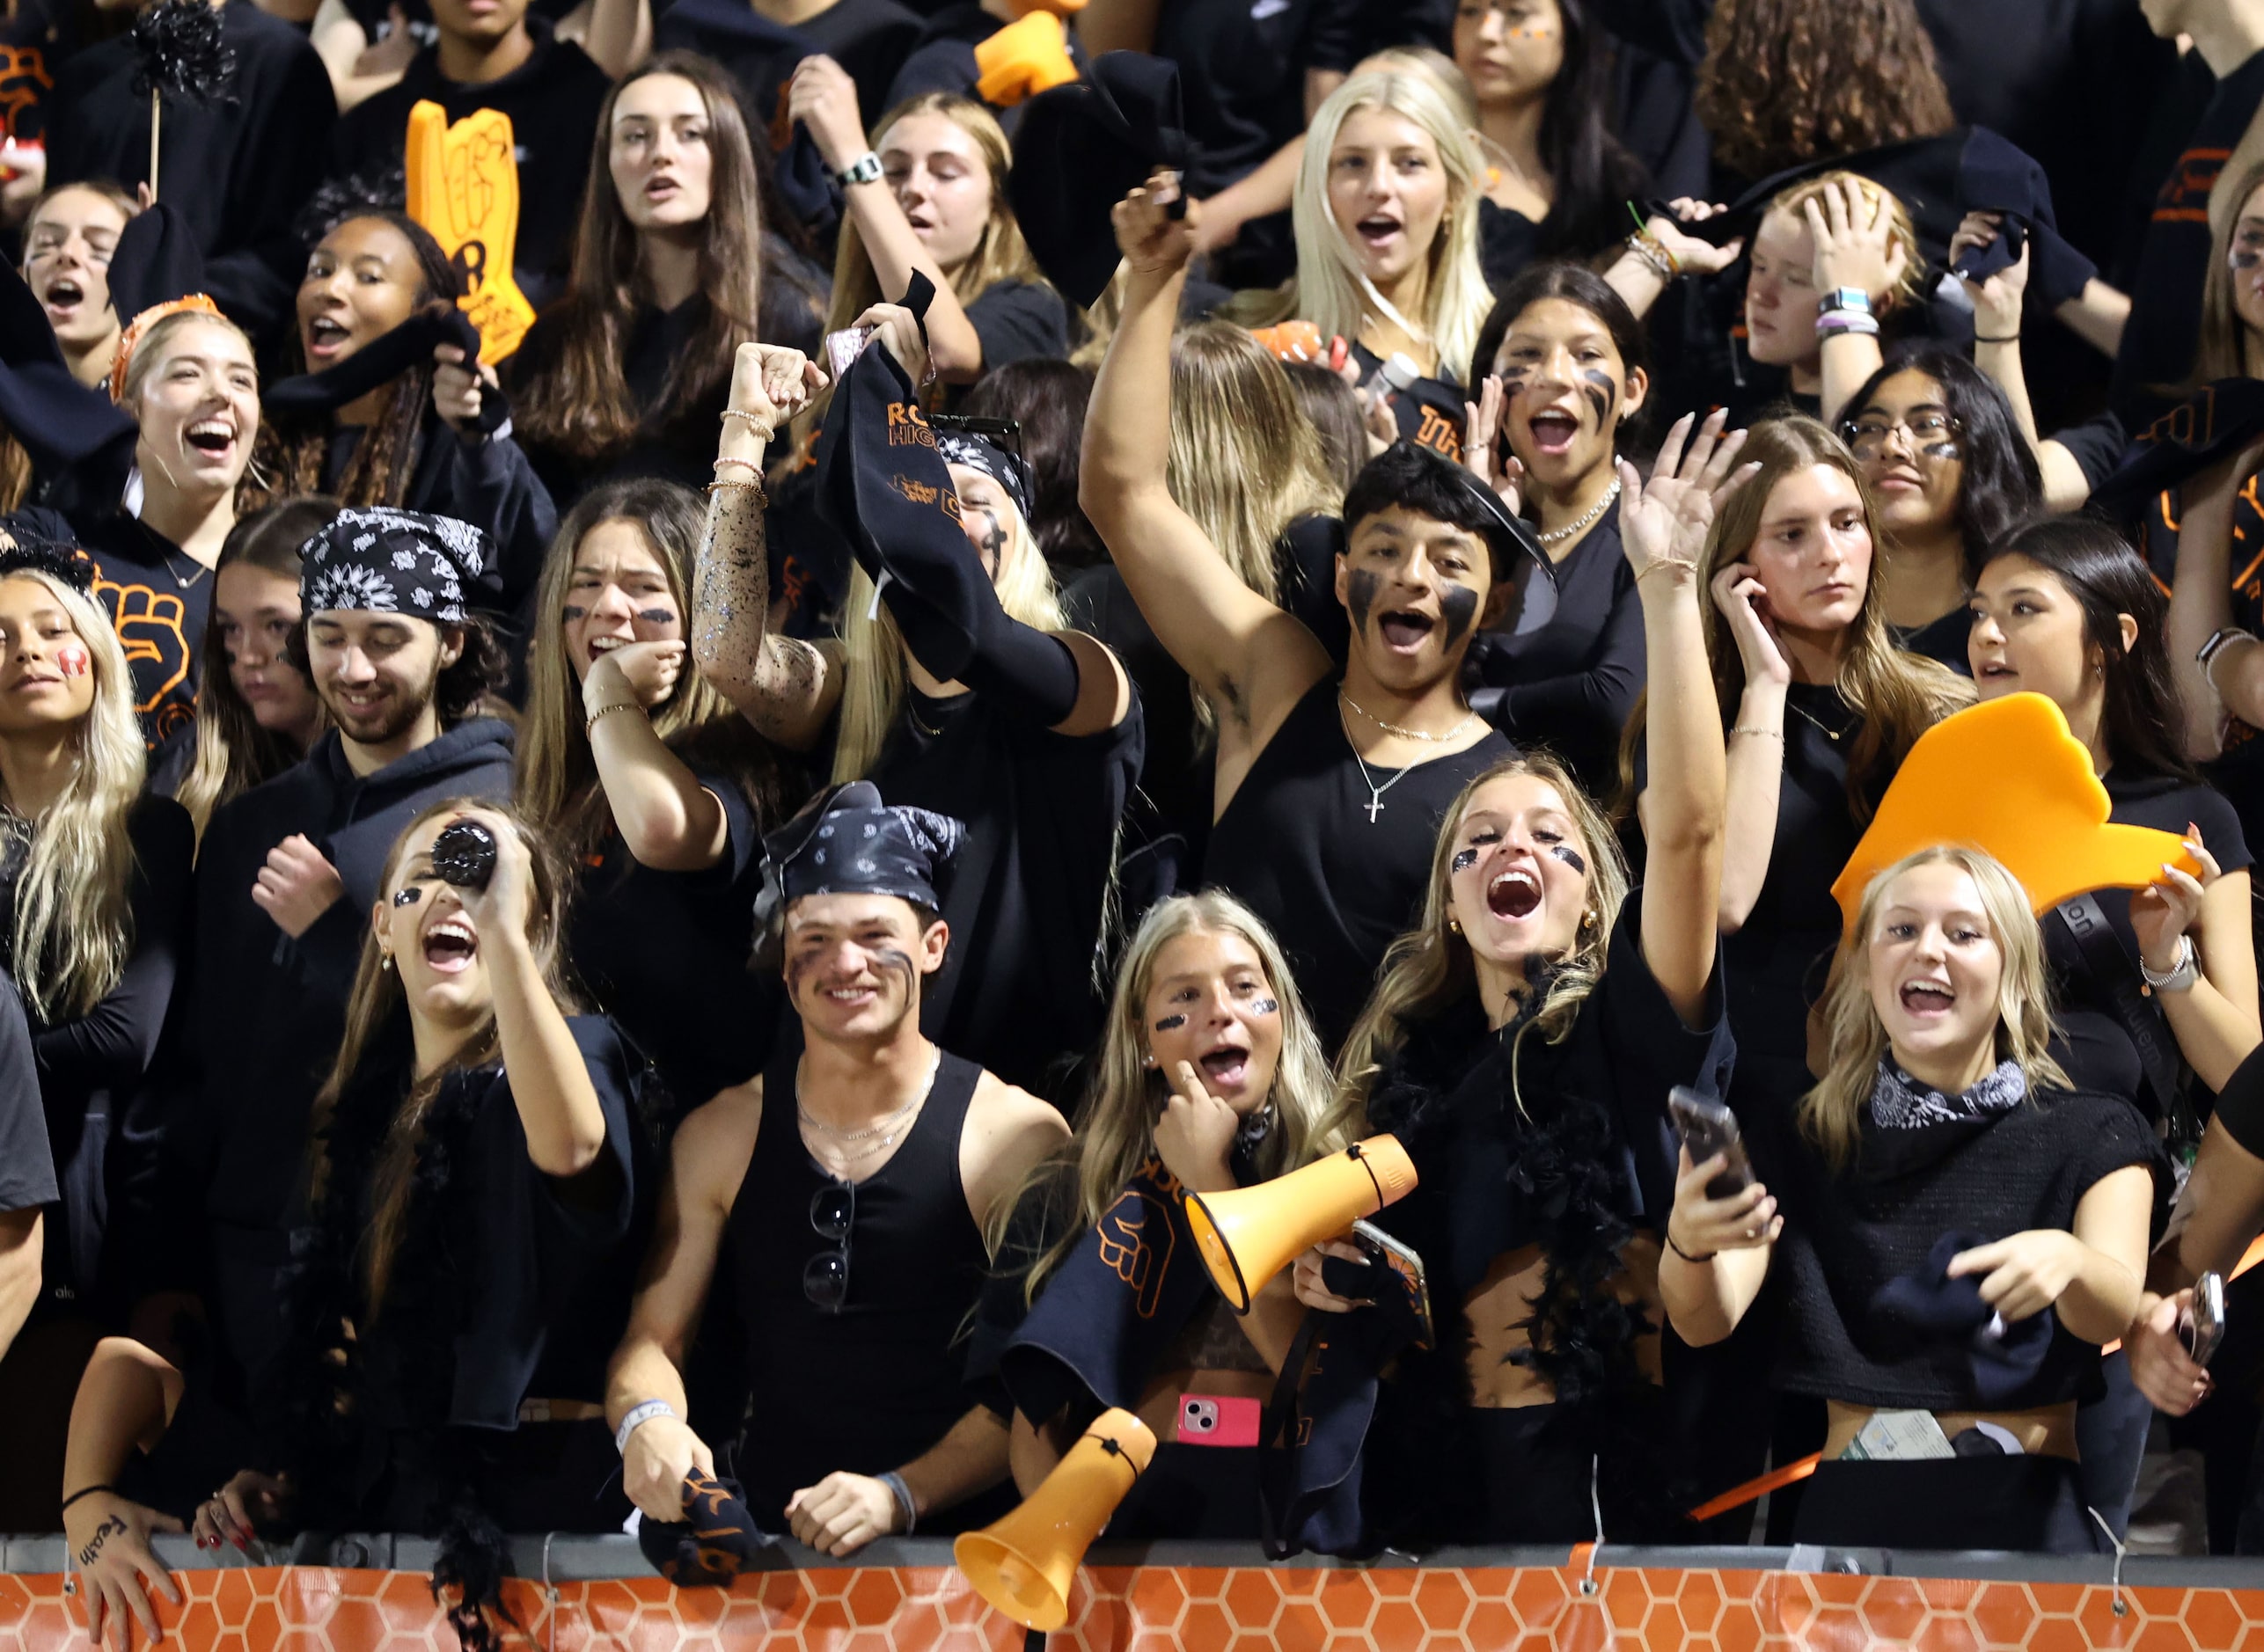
23	77
907	429
1126	1246
2185	196
923	493
151	625
1437	432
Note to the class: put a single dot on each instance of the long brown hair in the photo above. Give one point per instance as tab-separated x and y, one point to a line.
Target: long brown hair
372	1009
1787	82
557	778
1831	1113
1116	1127
289	463
233	753
578	399
2221	351
1428	969
1896	696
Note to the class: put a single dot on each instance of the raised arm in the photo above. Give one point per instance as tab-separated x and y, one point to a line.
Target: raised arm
550	1081
706	1161
2201	605
1717	1252
1757	743
1663	528
823	99
1997	306
668	820
1250	657
1641	274
618	34
786	688
2213	1019
1853	248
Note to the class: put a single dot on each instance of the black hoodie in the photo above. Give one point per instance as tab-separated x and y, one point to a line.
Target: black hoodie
271	1009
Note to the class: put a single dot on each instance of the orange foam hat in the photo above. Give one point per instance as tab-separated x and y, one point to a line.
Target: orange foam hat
2007	778
1023	59
463	186
1294	341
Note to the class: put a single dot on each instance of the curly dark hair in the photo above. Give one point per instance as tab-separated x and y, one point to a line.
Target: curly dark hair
2002	485
468	688
1787	82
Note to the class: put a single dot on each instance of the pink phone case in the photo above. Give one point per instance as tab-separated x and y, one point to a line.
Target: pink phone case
1218	1420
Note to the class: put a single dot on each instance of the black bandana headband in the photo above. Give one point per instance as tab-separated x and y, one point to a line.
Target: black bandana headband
850	843
376	559
980	453
24	549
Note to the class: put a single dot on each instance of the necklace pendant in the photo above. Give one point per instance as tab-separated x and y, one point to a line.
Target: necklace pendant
1375	807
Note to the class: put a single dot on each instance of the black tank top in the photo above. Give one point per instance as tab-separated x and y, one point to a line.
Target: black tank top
872	1386
1298	845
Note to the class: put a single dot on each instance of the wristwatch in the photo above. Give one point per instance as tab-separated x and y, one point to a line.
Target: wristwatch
1843	298
2179	979
2217	638
863	170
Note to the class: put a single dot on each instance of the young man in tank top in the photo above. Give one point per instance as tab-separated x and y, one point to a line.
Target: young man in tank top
1327	793
852	1182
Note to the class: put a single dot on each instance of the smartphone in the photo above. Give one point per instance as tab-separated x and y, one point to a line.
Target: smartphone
1406	1267
2202	1324
843	348
1707	1128
1218	1420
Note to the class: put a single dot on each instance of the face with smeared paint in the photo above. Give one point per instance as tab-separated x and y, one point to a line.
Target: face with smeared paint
1210	1005
1567	391
985	511
1912	455
2245	256
1518	881
1414	586
854	964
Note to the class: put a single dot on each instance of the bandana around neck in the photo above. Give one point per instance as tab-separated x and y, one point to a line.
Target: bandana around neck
1900	1102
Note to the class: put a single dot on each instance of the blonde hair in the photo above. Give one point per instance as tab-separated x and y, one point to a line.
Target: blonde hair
1116	1127
1244	461
2219	349
1429	968
875	680
74	924
1831	1113
1910	286
1331	289
556	775
1000	255
149	349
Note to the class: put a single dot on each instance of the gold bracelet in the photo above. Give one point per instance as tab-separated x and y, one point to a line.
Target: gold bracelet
744	465
590	722
753	422
754	487
1757	731
1657	563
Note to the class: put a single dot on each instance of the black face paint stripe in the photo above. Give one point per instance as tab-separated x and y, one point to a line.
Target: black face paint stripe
656	616
1266	1006
1944	450
408	897
2243	258
573	612
1603	395
1464	859
1459	604
1570	856
1360	595
1171	1024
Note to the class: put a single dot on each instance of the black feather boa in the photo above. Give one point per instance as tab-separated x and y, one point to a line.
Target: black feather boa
1452	1080
353	1441
181	49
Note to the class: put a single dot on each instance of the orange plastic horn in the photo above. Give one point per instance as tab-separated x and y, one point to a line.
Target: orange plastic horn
1249	1236
1023	60
1023	1564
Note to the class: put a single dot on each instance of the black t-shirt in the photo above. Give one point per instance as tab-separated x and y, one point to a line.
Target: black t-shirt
665	954
159	598
27	1166
237	170
1337	883
2158	340
1571	683
1429	412
2097	1049
39	38
552	100
1016	321
1016	991
1942	640
869	39
1242	73
1846	1235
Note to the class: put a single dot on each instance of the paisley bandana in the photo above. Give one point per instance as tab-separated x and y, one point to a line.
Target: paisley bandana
1900	1102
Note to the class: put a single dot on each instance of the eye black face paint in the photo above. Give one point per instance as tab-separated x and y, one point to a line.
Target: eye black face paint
1943	450
1570	856
1514	379
1603	395
1459	605
2244	257
1171	1024
408	897
897	959
1266	1006
1360	595
573	611
1464	859
656	616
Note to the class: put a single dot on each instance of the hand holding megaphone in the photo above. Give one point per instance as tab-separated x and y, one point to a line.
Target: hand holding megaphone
1247	1236
1023	1564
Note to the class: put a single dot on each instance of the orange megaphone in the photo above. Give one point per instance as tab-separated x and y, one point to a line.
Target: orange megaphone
1248	1237
1023	1564
1023	59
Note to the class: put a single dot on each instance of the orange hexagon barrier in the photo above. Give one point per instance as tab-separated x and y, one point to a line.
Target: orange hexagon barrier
1183	1608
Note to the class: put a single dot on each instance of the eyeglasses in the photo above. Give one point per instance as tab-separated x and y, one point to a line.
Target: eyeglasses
1867	436
825	1277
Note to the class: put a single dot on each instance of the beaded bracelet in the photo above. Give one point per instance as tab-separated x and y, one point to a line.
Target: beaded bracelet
1657	563
590	722
753	422
1647	247
754	487
1756	731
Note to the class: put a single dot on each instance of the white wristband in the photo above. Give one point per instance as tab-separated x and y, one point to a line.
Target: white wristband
639	1414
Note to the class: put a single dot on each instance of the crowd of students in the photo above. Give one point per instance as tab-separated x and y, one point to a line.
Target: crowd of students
1386	611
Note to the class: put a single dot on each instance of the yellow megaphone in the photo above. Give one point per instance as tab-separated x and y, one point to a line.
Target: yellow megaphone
1249	1236
1023	59
1023	1564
